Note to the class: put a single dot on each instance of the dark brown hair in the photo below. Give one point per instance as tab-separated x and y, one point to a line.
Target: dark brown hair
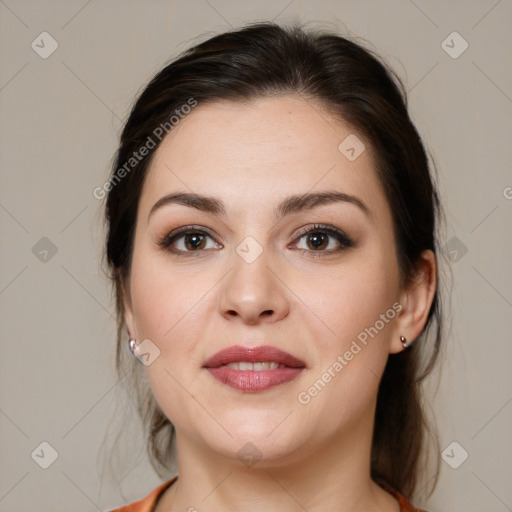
353	83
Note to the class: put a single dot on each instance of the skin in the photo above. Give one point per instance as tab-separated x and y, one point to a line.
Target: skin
251	156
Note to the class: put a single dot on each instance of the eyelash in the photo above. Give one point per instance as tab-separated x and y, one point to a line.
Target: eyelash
344	240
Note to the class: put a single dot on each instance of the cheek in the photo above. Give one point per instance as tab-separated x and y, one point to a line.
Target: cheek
350	299
173	308
162	297
352	347
170	310
361	313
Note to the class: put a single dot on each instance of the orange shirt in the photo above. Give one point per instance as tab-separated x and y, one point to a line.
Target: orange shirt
149	502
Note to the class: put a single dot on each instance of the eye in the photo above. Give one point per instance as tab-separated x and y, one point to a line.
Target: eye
319	239
188	241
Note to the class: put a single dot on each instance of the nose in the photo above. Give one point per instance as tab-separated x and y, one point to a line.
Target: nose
253	292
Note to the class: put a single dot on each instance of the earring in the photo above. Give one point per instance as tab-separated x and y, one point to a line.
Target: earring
132	346
403	339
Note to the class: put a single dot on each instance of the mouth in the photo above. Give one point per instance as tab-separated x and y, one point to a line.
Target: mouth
254	369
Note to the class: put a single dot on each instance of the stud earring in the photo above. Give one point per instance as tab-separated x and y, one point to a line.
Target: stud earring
403	339
132	346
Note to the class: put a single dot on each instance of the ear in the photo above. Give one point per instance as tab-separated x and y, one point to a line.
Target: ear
416	299
128	310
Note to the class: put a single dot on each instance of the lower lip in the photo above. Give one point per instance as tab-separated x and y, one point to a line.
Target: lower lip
254	381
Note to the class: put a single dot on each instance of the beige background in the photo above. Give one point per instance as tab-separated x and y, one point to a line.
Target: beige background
60	120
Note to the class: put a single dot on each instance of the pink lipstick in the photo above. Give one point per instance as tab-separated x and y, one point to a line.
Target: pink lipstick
254	369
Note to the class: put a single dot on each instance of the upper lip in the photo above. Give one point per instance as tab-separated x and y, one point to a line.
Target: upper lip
265	353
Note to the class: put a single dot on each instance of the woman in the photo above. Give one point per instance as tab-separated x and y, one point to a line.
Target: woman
272	243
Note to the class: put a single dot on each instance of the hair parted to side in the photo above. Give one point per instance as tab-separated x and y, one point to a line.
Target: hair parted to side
266	59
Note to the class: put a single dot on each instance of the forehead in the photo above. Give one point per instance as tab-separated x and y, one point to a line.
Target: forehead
253	153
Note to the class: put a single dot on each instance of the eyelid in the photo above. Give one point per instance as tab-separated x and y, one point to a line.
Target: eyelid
190	228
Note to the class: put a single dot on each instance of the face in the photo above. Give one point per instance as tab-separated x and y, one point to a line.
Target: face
315	279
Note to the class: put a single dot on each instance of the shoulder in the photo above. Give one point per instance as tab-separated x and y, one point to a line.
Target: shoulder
148	503
405	504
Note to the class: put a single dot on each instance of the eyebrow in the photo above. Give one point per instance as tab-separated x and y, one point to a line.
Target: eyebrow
290	205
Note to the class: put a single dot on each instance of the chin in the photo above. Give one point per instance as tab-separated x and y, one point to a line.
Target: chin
259	436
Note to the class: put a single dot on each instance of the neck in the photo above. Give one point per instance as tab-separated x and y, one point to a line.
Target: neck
332	476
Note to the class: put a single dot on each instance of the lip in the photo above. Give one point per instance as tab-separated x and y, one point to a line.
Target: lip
253	355
250	380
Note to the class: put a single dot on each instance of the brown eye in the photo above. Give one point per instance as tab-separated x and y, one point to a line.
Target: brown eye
317	240
325	240
188	241
194	241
